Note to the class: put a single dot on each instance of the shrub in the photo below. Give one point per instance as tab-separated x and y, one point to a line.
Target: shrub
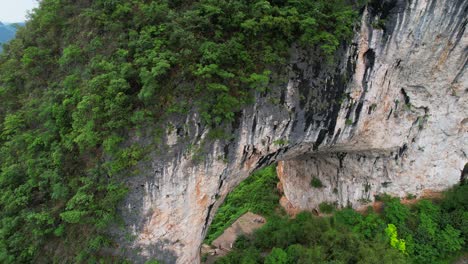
276	256
316	183
326	207
395	212
392	234
423	234
348	217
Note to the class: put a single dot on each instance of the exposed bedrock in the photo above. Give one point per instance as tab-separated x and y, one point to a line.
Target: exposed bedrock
390	115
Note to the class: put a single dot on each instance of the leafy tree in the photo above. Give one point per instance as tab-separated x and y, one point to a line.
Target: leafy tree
392	234
395	212
276	256
423	235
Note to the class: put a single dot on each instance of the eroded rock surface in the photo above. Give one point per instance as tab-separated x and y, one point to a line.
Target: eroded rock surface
389	116
404	129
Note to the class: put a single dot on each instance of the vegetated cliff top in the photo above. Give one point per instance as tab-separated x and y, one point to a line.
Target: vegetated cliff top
81	74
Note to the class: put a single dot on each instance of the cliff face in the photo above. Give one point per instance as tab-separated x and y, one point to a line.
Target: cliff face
408	108
390	116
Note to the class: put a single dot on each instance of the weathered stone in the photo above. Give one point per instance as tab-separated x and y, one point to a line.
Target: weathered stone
389	116
410	136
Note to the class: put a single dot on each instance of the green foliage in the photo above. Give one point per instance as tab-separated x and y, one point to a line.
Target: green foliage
379	24
316	183
428	232
250	255
370	226
309	239
395	212
326	207
392	234
280	142
348	122
72	217
257	194
152	262
277	256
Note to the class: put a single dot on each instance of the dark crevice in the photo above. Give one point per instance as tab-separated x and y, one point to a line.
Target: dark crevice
464	175
402	150
237	120
205	226
244	154
180	131
405	96
341	157
369	61
336	136
221	182
283	97
254	124
320	138
266	160
390	114
226	151
350	110
357	113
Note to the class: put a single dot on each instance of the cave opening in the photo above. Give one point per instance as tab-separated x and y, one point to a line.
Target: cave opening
245	209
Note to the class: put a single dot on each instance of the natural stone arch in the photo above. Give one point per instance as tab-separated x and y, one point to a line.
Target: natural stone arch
354	108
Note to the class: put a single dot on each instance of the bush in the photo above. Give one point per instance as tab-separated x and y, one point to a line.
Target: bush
316	183
395	212
276	256
423	234
348	217
326	207
393	236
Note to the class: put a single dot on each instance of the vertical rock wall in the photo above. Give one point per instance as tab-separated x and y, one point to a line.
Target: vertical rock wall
389	116
404	124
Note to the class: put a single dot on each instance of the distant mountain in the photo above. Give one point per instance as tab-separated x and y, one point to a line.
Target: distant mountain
8	31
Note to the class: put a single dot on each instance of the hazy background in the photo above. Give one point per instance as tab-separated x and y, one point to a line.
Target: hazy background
12	11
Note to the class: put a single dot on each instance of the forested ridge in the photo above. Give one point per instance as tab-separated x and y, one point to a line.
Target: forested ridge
82	76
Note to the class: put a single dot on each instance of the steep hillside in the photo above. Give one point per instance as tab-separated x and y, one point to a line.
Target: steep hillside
85	80
125	124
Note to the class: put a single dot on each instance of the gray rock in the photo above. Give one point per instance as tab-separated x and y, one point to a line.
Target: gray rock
389	116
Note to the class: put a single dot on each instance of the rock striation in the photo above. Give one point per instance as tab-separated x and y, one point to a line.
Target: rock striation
390	115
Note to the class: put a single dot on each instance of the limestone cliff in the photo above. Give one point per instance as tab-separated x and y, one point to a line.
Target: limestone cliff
389	116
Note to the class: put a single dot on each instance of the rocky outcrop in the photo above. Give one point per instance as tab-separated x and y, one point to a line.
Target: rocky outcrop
390	115
404	125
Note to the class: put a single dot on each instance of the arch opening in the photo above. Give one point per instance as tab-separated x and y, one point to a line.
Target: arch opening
245	209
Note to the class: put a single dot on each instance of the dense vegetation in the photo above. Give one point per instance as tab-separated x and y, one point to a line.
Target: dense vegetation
257	194
83	76
426	232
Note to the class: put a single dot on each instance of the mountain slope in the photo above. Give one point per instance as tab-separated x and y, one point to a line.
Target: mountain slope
8	31
84	79
151	112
